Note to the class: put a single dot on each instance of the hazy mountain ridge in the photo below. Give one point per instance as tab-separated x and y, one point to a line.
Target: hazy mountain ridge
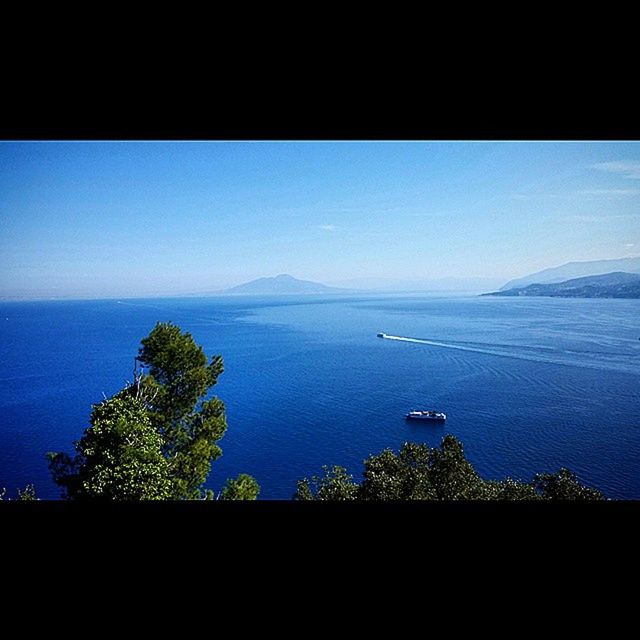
282	284
609	285
395	285
572	270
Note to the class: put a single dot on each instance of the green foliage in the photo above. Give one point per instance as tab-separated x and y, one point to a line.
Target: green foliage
155	439
453	476
244	487
510	489
336	484
118	458
403	476
178	380
28	493
563	485
303	490
419	472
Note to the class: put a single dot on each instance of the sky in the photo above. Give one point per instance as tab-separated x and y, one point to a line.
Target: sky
110	219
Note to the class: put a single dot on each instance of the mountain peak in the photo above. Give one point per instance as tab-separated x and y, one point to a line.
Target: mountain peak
282	284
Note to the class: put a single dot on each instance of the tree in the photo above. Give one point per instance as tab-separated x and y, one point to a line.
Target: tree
118	458
509	489
155	439
453	476
244	487
403	476
173	390
419	472
28	493
336	484
563	485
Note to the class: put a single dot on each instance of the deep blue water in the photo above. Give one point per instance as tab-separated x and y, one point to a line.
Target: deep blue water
528	384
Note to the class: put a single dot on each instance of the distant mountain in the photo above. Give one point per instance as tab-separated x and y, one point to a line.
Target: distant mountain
393	285
608	285
576	270
282	284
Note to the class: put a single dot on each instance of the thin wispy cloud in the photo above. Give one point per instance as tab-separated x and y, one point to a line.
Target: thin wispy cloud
630	244
626	168
363	208
327	227
595	217
609	193
582	218
581	193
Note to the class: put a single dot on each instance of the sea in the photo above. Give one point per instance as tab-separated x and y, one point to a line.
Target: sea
528	384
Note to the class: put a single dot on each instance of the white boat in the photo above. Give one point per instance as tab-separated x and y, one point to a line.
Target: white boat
433	416
382	335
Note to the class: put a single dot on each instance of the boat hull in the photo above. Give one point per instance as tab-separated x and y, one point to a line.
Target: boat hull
427	415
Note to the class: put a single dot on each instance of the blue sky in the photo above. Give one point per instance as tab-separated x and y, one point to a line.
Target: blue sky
145	218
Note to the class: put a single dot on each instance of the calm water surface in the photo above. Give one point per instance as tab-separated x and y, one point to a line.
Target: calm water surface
528	384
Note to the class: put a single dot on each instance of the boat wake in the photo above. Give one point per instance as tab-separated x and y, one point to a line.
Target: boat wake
535	354
460	347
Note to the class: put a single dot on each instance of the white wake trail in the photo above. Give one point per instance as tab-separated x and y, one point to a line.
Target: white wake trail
556	359
442	344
